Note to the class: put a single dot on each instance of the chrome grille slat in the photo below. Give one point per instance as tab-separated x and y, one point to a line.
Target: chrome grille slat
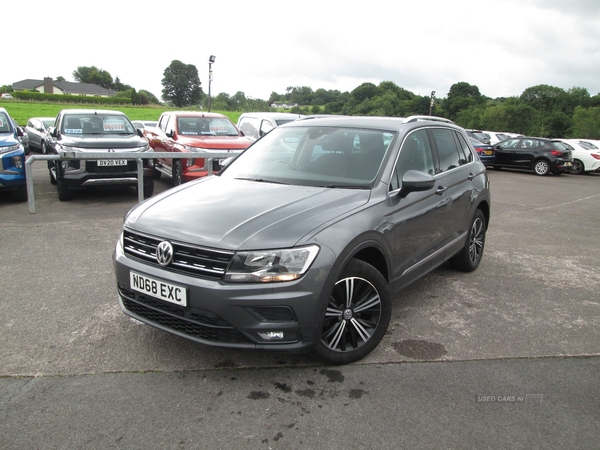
187	258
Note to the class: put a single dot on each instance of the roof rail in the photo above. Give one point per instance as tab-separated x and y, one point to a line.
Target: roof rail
410	119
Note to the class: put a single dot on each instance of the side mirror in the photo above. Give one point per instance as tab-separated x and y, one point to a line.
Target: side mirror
53	132
139	132
170	134
414	181
19	131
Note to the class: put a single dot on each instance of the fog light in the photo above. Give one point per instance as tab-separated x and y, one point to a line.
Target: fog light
18	162
189	162
271	335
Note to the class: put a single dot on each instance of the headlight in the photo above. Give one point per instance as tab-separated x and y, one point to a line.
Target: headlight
267	266
189	148
143	148
10	148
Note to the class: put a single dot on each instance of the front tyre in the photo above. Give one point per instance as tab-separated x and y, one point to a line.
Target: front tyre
468	259
177	175
64	193
148	188
357	315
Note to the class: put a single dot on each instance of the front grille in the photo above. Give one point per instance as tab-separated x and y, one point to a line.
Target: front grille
188	259
192	322
93	167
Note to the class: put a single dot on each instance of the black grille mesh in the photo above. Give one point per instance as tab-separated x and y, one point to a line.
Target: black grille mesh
193	322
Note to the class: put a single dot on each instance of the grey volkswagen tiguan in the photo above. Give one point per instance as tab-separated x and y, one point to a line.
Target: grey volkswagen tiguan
304	240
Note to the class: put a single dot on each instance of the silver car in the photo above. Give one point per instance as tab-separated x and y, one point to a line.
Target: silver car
37	131
304	240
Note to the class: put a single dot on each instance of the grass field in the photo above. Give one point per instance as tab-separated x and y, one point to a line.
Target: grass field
22	111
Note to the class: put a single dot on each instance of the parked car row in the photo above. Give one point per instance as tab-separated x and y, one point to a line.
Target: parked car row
541	155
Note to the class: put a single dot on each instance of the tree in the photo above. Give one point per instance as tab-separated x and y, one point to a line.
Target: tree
462	96
364	91
93	75
150	97
586	123
181	84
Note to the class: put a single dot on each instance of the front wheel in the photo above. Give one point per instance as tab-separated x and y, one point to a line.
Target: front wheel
177	174
357	315
148	188
468	259
541	167
64	193
20	194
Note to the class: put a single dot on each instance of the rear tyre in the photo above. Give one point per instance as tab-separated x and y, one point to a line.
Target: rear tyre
44	148
357	315
177	174
541	167
468	259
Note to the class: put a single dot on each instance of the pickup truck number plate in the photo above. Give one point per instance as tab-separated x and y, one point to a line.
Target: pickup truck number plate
112	162
159	289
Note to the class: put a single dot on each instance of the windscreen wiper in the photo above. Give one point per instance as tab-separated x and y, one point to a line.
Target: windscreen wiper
260	180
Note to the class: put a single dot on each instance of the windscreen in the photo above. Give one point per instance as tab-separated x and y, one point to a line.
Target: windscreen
207	126
314	156
77	124
4	123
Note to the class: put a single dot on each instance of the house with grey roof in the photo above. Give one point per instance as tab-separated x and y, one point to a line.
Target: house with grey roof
49	86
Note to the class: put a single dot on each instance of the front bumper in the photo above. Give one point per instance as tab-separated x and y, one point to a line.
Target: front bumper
274	316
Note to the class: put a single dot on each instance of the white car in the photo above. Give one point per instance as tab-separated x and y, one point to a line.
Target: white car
585	157
496	137
256	125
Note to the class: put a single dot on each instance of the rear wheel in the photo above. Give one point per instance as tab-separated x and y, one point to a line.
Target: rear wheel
541	167
577	168
357	315
44	148
468	259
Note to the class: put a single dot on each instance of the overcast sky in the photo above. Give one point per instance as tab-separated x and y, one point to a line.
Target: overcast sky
502	46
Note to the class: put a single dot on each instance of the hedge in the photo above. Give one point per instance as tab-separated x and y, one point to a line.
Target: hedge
40	97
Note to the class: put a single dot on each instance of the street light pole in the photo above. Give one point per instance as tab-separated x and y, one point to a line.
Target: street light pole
431	100
211	60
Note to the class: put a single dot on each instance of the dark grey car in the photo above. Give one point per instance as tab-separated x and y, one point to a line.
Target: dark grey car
302	242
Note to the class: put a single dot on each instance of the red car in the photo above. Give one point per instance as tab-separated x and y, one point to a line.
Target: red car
193	133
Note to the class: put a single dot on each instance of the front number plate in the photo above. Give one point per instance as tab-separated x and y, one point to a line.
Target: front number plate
112	162
159	289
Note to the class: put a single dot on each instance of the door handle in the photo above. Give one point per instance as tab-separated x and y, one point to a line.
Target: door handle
471	176
440	190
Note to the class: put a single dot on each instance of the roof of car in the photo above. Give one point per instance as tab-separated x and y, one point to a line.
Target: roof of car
196	114
279	115
383	123
90	111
